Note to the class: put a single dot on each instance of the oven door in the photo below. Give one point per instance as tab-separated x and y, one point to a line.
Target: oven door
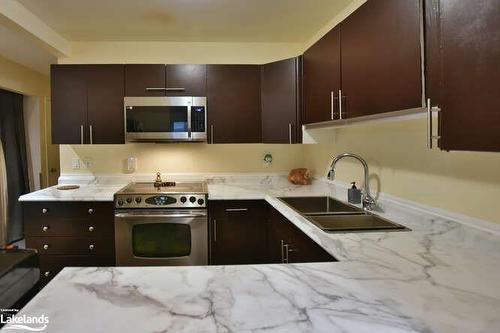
161	238
157	118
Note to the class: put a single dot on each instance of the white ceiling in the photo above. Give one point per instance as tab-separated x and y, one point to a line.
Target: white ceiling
186	20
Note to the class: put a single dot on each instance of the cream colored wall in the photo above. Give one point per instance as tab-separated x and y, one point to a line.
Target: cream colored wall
182	157
401	165
179	53
25	81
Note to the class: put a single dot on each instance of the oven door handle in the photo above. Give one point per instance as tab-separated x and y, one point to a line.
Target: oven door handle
126	215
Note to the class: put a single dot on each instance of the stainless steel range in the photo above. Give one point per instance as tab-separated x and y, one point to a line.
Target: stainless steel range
161	224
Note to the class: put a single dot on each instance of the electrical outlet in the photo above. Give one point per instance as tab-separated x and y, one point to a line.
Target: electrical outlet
87	163
75	163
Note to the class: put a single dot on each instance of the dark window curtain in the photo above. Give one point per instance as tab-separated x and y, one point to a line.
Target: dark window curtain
14	146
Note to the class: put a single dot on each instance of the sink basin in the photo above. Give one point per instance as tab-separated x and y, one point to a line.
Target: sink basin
332	216
354	223
320	205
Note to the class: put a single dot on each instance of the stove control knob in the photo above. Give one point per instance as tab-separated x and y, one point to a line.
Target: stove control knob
120	202
201	202
183	199
138	199
129	200
192	199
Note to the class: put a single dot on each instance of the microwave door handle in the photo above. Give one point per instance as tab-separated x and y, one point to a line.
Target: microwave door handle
189	121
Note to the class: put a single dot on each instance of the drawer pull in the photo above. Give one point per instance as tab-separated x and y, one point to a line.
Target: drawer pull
91	211
91	247
45	228
91	228
45	210
45	246
46	273
236	209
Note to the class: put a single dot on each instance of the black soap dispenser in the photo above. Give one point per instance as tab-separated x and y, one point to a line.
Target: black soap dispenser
354	194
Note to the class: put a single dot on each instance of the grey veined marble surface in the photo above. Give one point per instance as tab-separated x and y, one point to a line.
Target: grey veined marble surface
442	276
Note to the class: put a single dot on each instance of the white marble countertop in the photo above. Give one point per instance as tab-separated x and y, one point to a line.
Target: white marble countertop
92	192
440	277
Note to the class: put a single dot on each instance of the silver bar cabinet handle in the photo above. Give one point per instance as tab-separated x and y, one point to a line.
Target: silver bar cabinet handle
285	250
332	103
340	104
156	89
81	134
236	209
282	251
212	134
430	134
175	89
91	134
290	133
429	124
215	231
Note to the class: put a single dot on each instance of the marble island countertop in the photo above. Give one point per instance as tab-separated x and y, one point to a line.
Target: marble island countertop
442	276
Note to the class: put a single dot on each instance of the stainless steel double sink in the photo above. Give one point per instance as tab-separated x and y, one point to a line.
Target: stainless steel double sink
333	216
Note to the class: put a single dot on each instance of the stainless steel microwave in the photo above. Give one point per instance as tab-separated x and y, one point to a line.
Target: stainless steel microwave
160	119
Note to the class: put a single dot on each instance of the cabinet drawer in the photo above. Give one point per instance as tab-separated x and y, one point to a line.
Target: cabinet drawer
224	208
50	265
72	246
92	219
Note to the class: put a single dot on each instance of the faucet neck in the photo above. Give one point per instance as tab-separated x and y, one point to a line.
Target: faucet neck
368	201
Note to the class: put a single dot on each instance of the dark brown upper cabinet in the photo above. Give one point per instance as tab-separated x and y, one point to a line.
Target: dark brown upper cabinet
145	80
186	80
165	80
280	101
381	58
105	89
87	104
469	54
68	104
321	79
234	114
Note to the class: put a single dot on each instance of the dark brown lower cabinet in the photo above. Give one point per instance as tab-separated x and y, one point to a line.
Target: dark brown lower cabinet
288	244
238	232
252	232
70	234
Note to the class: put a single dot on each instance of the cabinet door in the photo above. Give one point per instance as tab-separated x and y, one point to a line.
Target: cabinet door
470	53
238	232
105	91
279	233
381	60
69	104
288	244
321	79
186	80
234	103
279	98
140	80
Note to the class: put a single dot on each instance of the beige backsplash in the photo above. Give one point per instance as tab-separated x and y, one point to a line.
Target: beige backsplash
400	164
182	157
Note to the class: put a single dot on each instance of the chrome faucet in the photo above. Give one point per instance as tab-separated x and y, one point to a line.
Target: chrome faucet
369	202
